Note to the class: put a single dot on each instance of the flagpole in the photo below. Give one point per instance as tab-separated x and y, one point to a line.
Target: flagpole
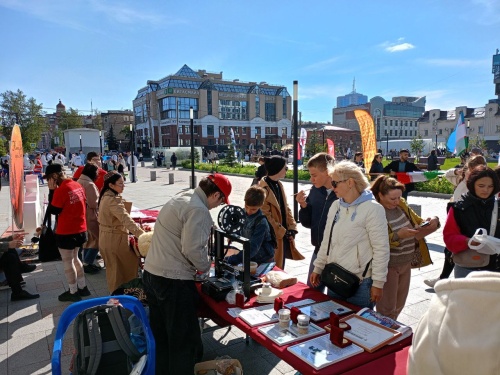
295	148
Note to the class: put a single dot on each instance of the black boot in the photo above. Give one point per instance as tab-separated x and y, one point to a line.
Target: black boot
22	295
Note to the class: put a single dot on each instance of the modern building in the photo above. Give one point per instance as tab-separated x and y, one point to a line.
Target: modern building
351	99
258	113
395	119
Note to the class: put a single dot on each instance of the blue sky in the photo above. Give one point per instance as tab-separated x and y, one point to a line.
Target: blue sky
104	51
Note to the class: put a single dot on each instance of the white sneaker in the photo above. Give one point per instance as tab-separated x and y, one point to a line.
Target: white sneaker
431	282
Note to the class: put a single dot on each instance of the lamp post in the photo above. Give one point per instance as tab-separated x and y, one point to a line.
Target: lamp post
467	132
436	141
81	148
191	129
100	141
295	147
256	144
387	144
132	156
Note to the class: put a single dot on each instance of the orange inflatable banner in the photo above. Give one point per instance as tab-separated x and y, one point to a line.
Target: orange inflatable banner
368	139
16	176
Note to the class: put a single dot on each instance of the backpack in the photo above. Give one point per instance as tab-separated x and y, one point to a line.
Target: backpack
101	335
274	241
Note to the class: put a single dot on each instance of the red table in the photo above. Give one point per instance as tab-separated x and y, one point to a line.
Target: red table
217	311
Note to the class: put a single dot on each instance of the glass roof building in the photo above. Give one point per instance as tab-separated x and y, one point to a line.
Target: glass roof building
258	113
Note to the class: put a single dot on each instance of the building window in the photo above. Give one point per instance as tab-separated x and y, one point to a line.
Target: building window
233	110
390	122
480	129
440	131
243	130
270	112
211	142
385	123
283	131
210	130
257	105
284	95
406	133
390	132
269	130
257	130
396	123
426	132
209	102
498	128
168	107
222	130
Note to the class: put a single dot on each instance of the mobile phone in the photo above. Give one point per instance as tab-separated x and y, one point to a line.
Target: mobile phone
424	224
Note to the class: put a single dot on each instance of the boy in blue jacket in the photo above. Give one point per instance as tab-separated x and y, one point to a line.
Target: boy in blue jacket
256	229
314	207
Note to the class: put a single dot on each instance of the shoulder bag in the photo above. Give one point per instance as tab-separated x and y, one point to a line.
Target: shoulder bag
47	246
337	278
471	258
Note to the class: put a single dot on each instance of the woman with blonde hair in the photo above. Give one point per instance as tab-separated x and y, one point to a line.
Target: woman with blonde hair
355	235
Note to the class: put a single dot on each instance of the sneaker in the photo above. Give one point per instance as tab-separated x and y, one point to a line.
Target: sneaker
431	282
90	269
23	295
67	296
84	292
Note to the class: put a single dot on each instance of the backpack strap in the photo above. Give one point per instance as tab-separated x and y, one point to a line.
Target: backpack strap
121	333
94	350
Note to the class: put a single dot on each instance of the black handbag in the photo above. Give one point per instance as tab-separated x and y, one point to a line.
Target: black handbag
47	246
337	278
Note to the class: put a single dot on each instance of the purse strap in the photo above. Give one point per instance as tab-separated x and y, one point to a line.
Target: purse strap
330	242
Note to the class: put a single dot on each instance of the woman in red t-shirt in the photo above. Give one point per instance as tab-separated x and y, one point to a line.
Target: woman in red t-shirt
67	200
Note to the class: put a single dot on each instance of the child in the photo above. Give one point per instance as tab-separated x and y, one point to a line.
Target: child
314	209
256	229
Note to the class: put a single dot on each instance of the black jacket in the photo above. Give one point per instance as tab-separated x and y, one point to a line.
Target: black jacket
314	215
409	167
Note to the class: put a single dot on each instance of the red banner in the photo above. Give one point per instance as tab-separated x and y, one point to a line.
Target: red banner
16	176
331	147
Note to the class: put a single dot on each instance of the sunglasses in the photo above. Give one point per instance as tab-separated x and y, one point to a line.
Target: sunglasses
335	183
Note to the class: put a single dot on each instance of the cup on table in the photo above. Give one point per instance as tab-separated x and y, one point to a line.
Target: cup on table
253	268
266	289
284	318
303	323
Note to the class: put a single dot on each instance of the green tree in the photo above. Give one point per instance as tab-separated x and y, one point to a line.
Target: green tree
314	144
16	108
70	119
111	139
417	145
230	158
3	147
477	142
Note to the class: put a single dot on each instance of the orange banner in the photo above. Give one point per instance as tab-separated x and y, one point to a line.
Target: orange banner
368	139
16	176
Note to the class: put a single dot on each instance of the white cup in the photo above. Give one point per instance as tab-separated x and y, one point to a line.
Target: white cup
303	323
284	318
266	289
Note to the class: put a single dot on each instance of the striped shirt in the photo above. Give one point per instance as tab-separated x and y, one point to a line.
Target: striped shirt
403	253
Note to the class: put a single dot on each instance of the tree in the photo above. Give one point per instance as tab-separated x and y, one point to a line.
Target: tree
314	144
477	142
15	108
230	158
111	139
70	119
417	145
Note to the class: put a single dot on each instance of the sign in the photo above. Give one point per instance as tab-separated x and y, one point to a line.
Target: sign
368	140
33	145
16	176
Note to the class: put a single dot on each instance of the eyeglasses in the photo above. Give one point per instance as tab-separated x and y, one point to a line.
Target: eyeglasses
335	183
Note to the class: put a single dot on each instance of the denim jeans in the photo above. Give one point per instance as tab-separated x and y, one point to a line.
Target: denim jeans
362	296
173	319
89	255
461	272
321	286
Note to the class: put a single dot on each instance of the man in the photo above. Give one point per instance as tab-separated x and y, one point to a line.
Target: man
132	161
38	167
92	157
358	160
402	165
173	160
314	207
179	249
44	161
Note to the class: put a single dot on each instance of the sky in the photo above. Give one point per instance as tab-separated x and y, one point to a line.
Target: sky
102	51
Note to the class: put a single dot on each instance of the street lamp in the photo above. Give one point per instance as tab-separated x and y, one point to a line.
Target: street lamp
100	141
81	148
295	147
467	132
256	144
436	141
132	156
387	144
191	129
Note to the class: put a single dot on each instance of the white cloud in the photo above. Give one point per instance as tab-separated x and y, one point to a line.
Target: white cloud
321	64
397	46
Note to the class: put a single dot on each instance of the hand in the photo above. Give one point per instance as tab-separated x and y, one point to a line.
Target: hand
15	243
52	184
376	294
18	236
301	198
406	233
315	279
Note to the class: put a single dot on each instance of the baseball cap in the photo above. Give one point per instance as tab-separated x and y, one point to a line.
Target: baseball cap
476	150
223	183
52	168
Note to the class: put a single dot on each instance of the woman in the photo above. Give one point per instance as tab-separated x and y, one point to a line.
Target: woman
277	211
432	161
91	247
67	200
377	167
458	177
408	248
475	211
359	239
114	224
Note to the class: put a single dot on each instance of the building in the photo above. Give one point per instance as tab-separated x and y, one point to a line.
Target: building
351	99
259	113
120	121
343	138
395	119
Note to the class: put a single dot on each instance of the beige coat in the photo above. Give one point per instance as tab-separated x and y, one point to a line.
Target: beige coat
114	225
92	195
272	210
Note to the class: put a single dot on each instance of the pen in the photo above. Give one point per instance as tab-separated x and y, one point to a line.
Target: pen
302	190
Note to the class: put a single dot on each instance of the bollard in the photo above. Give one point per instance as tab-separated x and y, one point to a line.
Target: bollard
170	178
153	175
417	208
142	164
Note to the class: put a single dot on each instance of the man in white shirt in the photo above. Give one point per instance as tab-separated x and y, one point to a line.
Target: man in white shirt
43	158
133	166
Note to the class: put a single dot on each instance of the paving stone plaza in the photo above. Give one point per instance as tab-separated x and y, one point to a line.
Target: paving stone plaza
27	328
